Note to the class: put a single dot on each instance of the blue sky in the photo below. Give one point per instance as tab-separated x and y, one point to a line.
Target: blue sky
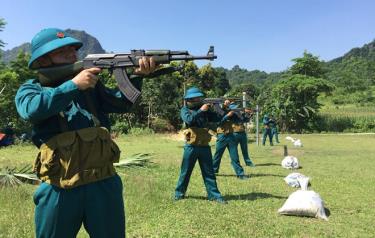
257	34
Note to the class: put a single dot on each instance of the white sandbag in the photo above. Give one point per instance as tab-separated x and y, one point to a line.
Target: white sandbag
289	138
293	179
304	203
290	162
297	143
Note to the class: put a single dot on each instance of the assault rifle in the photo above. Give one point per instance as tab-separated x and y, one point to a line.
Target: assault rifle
217	106
118	63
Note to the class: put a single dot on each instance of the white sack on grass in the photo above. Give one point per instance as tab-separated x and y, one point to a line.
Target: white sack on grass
293	179
304	203
290	162
289	138
297	143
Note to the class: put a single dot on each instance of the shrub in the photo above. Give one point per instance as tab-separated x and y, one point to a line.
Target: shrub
140	131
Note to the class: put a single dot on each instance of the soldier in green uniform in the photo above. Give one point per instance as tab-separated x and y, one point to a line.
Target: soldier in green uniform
274	131
71	129
197	116
226	139
267	130
240	135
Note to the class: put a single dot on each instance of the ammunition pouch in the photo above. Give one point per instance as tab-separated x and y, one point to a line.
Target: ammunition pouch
225	128
197	136
238	127
75	158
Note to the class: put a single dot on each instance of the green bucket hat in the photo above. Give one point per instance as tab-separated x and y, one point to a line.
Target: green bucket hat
47	40
193	92
233	106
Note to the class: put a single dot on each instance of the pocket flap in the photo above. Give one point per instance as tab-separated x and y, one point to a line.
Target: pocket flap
88	134
63	139
103	133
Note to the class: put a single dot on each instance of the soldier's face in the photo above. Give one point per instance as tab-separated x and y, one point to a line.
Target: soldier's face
197	99
194	102
63	55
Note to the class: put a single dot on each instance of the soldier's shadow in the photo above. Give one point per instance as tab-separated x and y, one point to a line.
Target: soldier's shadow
251	175
247	196
266	164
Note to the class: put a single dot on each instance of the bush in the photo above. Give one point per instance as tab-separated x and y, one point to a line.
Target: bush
121	127
161	125
140	131
331	123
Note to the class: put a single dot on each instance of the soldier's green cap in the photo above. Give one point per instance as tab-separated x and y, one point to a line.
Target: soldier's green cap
193	92
47	40
233	106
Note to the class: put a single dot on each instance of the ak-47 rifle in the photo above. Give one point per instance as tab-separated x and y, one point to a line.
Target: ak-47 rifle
217	103
217	106
117	64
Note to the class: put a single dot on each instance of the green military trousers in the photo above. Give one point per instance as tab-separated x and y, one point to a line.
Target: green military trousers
203	154
99	206
227	141
267	132
275	133
241	138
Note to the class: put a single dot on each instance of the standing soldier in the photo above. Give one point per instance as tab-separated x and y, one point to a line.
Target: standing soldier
274	130
69	112
226	139
197	116
240	135
267	130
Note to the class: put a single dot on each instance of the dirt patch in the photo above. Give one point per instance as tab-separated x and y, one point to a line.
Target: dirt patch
175	136
180	137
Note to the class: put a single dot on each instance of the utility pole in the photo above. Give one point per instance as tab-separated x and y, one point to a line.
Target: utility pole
244	99
244	104
257	124
149	114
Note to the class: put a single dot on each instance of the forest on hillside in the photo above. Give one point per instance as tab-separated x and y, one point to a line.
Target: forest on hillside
307	97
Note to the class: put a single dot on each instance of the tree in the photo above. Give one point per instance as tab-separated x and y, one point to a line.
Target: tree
252	91
221	82
9	84
2	25
213	80
294	101
20	67
308	65
11	78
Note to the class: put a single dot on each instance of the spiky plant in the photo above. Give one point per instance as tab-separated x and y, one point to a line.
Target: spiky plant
11	177
139	160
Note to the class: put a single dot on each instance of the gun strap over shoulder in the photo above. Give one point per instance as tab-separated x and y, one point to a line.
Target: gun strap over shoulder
63	122
77	157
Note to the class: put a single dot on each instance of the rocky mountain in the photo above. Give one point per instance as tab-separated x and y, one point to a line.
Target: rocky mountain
366	52
90	45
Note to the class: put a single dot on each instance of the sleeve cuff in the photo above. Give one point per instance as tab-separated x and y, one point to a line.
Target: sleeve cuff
69	88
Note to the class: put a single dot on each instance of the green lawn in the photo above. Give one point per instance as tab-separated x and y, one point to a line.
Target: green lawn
341	168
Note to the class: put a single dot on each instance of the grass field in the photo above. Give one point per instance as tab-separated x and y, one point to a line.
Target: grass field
341	168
